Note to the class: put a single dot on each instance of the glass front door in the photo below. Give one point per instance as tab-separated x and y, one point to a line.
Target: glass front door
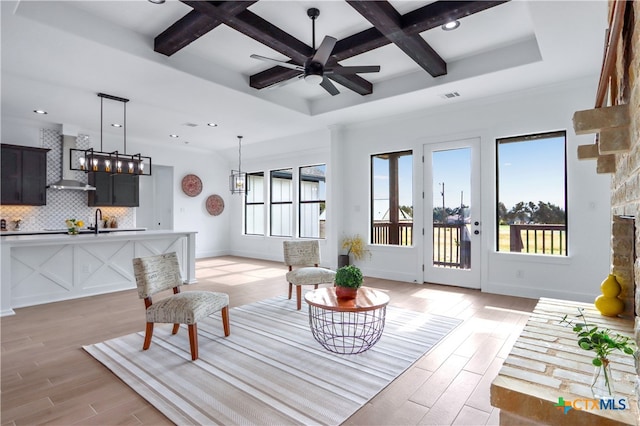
452	209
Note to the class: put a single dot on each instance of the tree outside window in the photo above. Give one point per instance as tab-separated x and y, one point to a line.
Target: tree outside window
312	212
531	192
392	198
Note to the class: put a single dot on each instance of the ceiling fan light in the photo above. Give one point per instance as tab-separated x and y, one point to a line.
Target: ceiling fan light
313	79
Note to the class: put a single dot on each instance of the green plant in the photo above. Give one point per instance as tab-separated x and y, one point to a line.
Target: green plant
349	276
355	245
602	341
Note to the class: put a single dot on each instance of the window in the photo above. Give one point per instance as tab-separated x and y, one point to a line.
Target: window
254	205
282	203
392	203
312	201
531	194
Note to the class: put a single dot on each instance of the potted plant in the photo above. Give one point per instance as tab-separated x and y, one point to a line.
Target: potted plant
354	245
602	342
348	280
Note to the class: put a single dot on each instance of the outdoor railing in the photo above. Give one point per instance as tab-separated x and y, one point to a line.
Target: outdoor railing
390	233
538	238
450	249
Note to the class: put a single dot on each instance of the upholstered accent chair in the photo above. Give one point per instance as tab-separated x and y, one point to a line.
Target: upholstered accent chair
158	273
305	256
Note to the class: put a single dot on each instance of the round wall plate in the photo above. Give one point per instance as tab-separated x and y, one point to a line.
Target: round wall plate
215	205
191	185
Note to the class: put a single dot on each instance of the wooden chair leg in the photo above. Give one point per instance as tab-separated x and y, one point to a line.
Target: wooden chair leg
147	336
175	328
290	287
299	296
193	341
225	320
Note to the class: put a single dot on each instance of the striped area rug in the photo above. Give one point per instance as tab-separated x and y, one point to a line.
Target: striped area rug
270	370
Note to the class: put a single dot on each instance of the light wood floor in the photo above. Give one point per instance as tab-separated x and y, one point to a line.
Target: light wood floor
47	378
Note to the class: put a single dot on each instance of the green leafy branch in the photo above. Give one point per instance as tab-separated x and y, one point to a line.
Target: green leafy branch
601	341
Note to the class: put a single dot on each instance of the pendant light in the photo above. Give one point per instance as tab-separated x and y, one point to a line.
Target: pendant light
115	162
238	183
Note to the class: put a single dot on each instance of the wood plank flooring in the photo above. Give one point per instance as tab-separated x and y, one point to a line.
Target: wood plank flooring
47	378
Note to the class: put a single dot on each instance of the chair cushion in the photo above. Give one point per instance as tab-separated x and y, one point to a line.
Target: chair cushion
310	275
187	307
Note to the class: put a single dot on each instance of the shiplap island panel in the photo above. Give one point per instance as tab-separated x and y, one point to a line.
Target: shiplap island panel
40	269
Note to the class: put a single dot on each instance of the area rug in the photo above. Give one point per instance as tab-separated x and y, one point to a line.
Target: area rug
270	370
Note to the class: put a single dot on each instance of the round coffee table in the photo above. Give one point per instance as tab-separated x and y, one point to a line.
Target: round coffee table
347	326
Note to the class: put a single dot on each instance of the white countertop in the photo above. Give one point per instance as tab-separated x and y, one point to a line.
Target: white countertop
85	238
64	231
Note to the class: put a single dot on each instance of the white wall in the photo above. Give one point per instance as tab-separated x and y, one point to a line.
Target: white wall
293	152
576	276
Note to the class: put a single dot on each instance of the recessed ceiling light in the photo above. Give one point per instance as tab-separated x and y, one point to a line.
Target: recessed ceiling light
39	111
212	125
173	136
451	25
156	1
116	125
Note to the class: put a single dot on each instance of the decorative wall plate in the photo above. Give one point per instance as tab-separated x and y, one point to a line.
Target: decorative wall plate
191	185
215	205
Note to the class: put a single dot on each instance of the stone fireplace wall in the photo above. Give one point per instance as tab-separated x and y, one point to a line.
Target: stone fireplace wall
625	189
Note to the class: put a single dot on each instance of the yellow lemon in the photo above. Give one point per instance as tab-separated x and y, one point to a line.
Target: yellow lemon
80	223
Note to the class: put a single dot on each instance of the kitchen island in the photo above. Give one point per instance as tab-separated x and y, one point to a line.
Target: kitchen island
46	268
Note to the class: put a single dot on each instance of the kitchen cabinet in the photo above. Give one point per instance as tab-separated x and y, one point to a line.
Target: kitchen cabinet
121	190
24	175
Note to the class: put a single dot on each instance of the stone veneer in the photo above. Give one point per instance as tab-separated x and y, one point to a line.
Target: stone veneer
625	187
62	204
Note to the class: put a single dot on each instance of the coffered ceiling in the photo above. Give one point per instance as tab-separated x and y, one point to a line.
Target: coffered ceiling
57	55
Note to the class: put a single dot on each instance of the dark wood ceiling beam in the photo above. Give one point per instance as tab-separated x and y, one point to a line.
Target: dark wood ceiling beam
440	12
388	21
425	18
192	26
251	25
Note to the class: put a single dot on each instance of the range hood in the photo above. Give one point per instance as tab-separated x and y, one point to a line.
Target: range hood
67	181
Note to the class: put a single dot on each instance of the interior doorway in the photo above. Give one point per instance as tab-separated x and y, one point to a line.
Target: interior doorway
156	200
452	213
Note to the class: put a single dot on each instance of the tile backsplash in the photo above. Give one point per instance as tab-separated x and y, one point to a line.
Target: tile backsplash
62	204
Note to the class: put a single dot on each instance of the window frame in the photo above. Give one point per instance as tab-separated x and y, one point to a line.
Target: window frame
318	201
528	138
253	203
394	237
280	203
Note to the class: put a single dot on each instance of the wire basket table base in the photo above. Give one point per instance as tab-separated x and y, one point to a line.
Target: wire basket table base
347	332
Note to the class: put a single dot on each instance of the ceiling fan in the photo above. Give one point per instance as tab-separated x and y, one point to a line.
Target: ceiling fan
313	71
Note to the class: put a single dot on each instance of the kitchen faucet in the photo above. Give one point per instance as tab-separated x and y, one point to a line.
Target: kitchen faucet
96	222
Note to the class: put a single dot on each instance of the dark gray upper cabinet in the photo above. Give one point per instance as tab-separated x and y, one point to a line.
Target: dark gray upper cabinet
24	175
114	190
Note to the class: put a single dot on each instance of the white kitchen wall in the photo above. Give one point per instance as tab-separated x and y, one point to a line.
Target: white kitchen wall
575	277
190	214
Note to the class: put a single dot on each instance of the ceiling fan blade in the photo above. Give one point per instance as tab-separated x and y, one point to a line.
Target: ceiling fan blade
324	51
329	87
279	63
353	70
285	82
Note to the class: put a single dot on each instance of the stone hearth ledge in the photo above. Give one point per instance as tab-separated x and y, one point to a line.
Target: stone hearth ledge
546	364
40	269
